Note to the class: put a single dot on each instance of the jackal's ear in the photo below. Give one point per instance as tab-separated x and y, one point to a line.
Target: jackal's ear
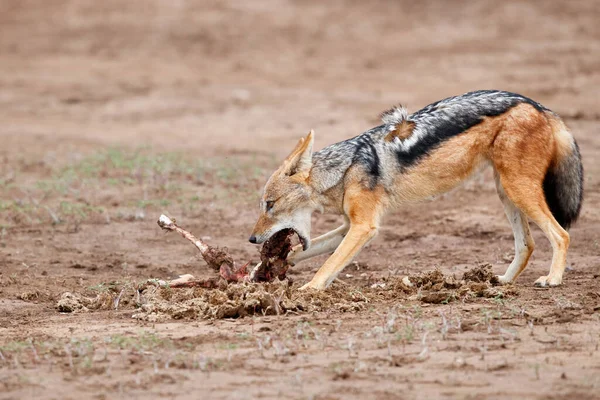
300	159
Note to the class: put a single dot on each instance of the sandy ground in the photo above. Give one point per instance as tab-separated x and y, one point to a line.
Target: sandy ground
114	112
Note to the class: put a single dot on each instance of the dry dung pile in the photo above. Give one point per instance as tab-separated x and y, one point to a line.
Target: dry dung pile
231	300
243	299
150	301
76	302
435	287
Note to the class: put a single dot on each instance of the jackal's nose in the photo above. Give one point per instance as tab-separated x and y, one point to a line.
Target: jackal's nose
252	239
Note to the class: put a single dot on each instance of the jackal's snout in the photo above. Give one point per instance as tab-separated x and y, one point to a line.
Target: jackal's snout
261	231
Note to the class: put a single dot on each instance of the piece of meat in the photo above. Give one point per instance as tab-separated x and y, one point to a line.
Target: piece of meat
273	256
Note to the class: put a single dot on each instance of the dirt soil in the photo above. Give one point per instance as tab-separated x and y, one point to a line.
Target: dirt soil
114	112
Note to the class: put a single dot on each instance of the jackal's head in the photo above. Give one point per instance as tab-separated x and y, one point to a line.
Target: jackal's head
286	200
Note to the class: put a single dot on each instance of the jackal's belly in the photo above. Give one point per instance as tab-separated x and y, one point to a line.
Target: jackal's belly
441	170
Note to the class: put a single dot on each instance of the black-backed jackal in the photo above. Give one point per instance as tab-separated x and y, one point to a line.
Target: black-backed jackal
409	158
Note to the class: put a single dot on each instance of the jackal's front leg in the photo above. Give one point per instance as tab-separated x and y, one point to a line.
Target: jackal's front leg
363	207
358	236
325	243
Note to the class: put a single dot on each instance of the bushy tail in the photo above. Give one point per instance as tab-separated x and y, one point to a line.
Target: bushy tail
563	185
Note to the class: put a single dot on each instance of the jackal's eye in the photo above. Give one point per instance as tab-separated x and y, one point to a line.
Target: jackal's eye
270	205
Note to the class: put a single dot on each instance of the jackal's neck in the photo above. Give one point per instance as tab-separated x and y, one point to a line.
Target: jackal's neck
327	181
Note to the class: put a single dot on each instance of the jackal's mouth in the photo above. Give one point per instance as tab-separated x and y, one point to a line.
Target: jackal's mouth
305	242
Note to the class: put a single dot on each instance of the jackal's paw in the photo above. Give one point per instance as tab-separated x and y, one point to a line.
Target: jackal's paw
313	286
548	281
503	279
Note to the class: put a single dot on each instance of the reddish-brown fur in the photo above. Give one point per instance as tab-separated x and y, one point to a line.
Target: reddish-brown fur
403	130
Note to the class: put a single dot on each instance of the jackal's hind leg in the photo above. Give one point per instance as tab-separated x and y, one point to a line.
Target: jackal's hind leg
524	243
529	198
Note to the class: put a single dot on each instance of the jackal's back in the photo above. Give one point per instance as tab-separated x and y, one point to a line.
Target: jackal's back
444	119
381	155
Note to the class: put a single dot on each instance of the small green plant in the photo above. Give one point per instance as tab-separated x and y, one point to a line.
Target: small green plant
407	334
109	182
141	342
